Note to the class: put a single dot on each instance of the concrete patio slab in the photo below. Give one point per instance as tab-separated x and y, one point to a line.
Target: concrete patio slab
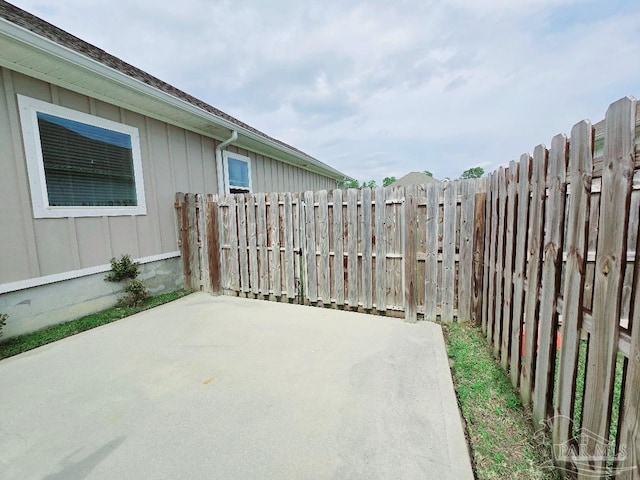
221	387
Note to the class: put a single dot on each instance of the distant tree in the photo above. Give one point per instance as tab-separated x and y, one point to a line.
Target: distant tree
356	184
388	181
475	172
428	173
348	184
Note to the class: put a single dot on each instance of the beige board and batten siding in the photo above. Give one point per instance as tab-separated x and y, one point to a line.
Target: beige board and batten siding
173	159
269	175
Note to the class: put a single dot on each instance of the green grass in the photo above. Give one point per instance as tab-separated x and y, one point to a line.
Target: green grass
499	430
23	343
580	379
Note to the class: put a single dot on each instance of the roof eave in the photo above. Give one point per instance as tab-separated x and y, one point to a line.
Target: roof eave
246	138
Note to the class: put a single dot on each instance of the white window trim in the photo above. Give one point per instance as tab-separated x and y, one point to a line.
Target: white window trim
236	156
35	163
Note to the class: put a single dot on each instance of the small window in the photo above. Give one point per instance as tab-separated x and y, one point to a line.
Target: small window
80	165
237	172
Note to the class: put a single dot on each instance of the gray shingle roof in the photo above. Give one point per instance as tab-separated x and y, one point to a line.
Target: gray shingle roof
413	178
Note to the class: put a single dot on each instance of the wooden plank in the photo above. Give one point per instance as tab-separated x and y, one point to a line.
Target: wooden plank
224	235
289	267
479	225
551	276
298	262
243	254
448	251
338	248
540	156
629	433
509	243
398	270
381	249
499	286
193	241
275	272
183	242
367	260
486	263
324	279
352	247
575	246
491	306
609	274
310	247
431	248
203	240
465	265
391	238
519	267
213	247
233	271
410	254
261	232
253	244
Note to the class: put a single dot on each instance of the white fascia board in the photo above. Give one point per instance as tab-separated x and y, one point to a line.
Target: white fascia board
28	37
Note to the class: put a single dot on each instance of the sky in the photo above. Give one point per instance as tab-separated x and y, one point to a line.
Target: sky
381	88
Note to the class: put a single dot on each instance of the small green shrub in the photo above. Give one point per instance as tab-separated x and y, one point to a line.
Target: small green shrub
122	269
3	321
137	293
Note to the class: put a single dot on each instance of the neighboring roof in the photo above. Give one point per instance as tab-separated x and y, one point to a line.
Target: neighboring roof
413	178
16	52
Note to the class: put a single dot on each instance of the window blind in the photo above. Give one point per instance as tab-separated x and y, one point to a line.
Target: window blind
86	165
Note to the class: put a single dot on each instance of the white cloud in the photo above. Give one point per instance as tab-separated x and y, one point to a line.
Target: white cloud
377	88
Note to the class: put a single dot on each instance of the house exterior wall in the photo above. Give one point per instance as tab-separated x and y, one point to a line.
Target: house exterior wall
42	251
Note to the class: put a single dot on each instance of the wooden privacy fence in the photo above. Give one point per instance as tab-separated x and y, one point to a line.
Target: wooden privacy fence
405	250
545	261
561	289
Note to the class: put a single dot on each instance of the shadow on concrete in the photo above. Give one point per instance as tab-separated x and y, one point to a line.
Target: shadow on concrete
82	468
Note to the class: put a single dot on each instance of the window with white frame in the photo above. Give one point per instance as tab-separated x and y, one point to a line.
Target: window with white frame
237	172
80	165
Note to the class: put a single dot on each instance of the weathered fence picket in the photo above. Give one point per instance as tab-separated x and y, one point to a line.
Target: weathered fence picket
575	244
509	244
551	274
536	216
